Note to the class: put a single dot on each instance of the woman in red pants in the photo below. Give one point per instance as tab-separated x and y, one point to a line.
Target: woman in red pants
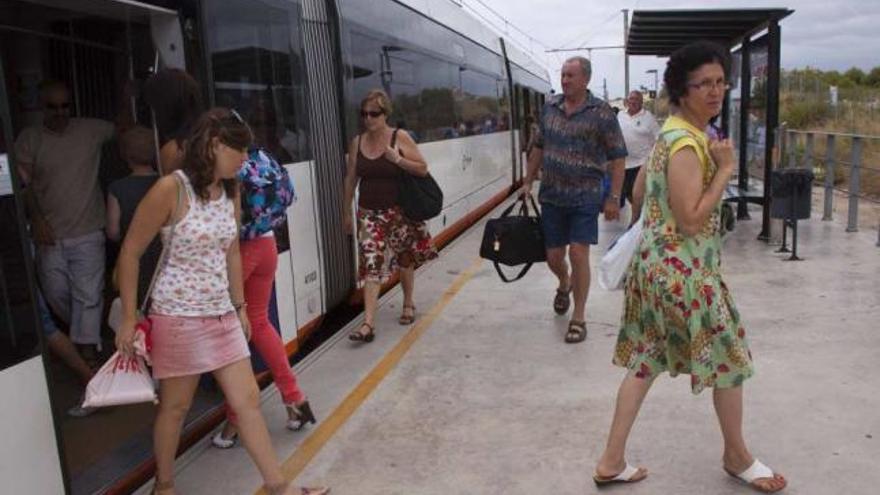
267	191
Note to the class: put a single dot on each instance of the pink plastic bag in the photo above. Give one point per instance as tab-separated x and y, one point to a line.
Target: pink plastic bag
122	380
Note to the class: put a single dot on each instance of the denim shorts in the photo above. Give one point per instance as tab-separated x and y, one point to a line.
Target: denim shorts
564	225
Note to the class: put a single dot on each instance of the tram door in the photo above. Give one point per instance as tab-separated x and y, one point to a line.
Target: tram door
94	48
29	461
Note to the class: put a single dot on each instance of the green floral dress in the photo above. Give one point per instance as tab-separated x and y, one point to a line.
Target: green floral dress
678	314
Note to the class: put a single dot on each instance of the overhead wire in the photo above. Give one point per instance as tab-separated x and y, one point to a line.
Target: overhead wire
590	30
508	24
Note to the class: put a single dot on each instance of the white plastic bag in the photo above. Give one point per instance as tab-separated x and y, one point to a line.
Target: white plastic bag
614	264
122	380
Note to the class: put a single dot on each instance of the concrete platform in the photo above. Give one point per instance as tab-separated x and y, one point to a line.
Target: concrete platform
481	396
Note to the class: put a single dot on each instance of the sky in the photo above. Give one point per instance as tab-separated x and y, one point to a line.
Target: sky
825	34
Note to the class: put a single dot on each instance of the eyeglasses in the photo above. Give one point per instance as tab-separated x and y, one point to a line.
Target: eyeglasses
58	106
707	85
372	114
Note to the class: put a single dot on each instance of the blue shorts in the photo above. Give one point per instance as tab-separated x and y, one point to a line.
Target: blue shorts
564	225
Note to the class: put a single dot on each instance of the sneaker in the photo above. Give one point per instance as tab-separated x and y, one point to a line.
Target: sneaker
81	411
221	442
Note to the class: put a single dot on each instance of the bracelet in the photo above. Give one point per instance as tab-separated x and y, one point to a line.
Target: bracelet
239	306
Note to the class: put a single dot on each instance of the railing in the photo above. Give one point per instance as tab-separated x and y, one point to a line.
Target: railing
800	149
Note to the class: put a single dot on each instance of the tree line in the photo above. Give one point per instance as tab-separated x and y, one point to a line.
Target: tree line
851	78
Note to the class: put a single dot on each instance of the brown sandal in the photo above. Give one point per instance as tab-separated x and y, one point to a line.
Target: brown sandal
562	301
407	319
359	336
577	332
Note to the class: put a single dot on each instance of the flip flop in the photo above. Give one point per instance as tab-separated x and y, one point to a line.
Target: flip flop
758	470
626	476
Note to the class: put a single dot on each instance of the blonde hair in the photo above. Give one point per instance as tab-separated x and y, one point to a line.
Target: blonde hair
380	98
137	146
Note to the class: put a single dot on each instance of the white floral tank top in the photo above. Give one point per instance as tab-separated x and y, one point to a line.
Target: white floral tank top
193	280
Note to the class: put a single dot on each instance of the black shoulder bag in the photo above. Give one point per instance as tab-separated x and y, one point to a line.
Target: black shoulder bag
420	198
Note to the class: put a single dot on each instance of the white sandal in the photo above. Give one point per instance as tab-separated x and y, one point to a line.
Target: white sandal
758	470
628	475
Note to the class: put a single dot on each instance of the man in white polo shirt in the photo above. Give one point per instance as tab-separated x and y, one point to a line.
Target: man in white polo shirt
640	131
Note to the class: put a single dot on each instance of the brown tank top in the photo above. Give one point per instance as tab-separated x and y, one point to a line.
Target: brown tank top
378	184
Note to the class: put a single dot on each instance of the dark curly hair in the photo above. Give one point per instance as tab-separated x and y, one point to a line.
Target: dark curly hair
688	59
198	161
176	100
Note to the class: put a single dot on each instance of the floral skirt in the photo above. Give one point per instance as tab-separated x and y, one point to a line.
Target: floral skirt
388	240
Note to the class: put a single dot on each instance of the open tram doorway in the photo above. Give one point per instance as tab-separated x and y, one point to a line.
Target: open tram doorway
102	51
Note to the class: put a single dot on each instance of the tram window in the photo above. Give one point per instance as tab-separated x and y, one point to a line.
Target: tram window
478	102
257	65
421	87
478	56
437	82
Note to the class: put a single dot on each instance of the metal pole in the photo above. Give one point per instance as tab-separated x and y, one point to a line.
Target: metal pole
745	84
856	164
74	80
625	53
791	159
772	122
808	152
783	137
829	177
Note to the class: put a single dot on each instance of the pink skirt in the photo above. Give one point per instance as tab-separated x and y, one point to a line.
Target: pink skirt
188	345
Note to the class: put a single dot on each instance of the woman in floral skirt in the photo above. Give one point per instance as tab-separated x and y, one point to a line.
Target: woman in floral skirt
387	239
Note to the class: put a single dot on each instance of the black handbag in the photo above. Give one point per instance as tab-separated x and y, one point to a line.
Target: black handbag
514	240
420	198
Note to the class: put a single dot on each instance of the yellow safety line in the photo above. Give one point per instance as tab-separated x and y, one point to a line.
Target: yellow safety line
297	462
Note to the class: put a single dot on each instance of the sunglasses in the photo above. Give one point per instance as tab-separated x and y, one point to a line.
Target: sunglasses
58	106
372	115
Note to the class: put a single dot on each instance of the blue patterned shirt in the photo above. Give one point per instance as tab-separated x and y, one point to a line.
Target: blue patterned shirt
577	149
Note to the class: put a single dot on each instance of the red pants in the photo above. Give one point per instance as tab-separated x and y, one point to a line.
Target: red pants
259	259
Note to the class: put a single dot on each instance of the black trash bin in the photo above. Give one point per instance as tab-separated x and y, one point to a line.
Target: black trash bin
792	193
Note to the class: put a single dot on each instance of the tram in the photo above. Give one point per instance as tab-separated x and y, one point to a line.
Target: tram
296	70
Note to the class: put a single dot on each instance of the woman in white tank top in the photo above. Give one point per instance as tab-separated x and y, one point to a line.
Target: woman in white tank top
197	310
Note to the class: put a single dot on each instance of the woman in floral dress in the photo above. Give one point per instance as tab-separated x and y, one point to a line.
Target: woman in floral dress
678	313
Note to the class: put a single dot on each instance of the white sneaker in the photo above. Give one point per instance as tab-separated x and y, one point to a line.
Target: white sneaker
80	411
219	441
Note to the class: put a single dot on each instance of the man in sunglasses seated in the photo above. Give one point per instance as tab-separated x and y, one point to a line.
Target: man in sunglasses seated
58	163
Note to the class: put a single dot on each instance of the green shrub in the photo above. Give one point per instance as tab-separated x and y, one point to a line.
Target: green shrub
803	113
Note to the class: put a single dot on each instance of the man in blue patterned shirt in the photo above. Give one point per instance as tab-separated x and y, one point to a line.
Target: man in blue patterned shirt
578	143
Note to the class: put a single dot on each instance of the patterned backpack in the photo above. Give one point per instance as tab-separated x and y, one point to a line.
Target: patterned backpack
266	193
